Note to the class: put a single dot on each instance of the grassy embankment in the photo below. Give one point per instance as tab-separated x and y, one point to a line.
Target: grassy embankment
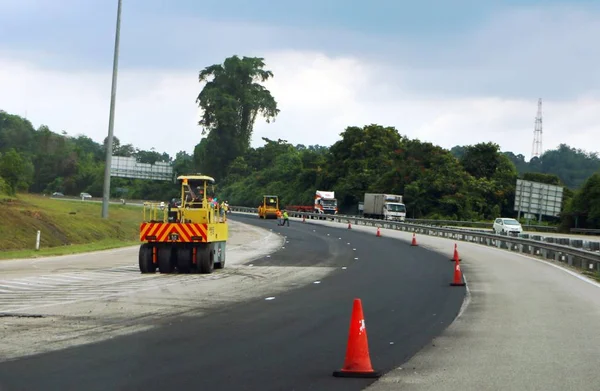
67	227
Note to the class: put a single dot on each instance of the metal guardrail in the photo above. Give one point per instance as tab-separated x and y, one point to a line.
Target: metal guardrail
585	231
567	250
478	224
455	223
99	199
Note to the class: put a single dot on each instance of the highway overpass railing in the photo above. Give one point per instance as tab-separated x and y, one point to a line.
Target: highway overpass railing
578	253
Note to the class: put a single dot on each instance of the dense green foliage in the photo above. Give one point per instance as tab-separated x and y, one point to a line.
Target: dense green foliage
473	182
572	166
230	100
41	161
479	184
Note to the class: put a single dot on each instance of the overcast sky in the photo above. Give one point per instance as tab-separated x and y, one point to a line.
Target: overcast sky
448	72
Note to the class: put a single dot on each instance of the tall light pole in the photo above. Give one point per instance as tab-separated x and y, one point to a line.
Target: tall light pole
111	118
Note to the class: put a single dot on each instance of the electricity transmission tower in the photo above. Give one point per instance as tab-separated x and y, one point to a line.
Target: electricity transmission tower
536	150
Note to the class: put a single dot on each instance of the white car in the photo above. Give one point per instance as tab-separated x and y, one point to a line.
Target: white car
507	226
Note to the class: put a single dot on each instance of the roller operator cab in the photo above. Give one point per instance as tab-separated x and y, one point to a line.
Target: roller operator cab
186	235
269	207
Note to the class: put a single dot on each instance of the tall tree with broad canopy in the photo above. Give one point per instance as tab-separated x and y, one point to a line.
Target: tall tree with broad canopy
230	101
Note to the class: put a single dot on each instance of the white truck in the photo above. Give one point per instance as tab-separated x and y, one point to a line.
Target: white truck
384	206
325	202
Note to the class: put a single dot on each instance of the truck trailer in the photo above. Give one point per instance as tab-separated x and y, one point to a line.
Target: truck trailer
384	206
325	203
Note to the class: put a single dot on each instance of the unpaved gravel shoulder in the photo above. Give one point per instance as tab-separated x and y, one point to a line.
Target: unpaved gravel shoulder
139	302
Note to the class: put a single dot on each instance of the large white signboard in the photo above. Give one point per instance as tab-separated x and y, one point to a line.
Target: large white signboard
538	198
129	167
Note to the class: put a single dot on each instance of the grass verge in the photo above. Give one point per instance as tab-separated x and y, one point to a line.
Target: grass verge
67	227
593	275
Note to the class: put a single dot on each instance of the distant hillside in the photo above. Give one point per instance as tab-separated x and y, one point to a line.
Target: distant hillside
572	166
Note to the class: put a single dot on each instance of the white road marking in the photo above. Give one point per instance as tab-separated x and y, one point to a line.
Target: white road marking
270	298
467	299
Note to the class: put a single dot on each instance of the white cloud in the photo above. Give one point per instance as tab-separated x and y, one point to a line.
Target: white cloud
462	90
318	96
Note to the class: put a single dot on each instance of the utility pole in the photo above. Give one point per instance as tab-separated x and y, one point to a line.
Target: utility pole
111	118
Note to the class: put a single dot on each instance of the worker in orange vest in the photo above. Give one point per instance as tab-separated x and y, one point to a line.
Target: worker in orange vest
278	213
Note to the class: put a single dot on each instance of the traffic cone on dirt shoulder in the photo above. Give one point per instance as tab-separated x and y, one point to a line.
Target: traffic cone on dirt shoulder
414	240
455	258
458	277
378	232
357	362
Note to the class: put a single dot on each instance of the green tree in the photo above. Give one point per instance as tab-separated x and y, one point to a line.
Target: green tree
4	188
16	170
359	160
231	100
584	209
519	162
183	163
15	132
573	166
549	179
481	160
458	151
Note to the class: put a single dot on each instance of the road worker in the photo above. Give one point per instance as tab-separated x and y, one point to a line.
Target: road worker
286	218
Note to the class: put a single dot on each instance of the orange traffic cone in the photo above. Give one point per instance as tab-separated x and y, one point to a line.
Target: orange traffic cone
358	361
458	277
414	240
349	225
456	257
378	232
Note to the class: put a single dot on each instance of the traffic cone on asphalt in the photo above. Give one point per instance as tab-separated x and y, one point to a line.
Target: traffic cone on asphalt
357	362
456	258
458	277
414	240
378	232
349	225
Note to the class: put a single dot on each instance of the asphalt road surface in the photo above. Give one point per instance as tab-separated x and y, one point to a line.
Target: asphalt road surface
290	342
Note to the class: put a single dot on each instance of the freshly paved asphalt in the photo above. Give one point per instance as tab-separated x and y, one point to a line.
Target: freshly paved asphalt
292	342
